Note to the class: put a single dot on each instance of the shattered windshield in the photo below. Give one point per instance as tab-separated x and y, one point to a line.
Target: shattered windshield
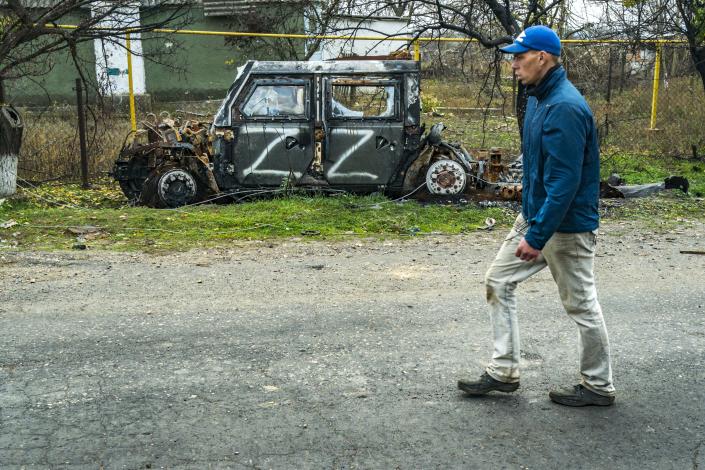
276	100
363	101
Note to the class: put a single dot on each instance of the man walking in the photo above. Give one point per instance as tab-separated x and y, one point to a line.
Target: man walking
557	227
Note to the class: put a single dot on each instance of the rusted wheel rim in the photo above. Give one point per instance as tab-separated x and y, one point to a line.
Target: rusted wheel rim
446	177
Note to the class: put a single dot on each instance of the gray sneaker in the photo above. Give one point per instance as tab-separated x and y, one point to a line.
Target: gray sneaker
485	384
580	396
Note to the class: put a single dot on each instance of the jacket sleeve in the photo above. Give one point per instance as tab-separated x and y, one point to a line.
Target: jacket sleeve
563	147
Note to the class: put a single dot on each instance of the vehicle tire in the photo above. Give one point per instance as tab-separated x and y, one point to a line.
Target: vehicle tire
445	178
132	188
171	187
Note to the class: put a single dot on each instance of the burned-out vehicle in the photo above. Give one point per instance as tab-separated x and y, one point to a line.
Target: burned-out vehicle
351	125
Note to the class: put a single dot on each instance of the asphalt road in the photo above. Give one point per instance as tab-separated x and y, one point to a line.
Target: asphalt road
340	355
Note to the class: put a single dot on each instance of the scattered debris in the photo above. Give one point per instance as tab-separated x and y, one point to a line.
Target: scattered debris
489	223
693	252
310	233
511	205
8	223
614	187
83	230
464	110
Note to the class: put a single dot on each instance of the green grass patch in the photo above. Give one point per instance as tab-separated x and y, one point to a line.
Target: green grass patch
42	225
476	132
47	218
662	212
641	168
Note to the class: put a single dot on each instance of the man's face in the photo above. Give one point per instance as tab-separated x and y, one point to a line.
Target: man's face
529	66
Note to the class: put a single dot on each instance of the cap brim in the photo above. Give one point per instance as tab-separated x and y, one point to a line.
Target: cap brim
514	48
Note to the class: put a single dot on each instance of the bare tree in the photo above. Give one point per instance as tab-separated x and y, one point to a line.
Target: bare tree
638	20
492	23
283	17
692	25
30	36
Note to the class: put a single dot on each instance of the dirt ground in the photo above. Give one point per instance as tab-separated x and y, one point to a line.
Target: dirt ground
300	354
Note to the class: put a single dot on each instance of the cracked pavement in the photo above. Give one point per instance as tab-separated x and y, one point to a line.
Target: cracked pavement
340	355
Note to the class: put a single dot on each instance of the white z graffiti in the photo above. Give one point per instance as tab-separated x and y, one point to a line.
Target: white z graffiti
280	138
366	134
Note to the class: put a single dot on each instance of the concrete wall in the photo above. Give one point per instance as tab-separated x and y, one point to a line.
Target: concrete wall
58	84
200	67
111	56
186	67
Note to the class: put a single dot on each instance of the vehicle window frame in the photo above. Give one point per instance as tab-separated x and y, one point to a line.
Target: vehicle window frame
374	82
258	82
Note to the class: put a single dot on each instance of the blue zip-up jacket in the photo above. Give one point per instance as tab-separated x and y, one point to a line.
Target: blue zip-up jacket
561	180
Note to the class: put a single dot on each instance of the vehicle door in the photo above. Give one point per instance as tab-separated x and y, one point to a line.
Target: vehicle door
364	130
273	130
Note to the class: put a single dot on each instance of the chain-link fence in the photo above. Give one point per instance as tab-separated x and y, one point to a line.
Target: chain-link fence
474	89
619	82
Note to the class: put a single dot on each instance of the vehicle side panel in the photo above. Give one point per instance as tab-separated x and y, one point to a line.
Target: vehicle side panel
270	143
363	151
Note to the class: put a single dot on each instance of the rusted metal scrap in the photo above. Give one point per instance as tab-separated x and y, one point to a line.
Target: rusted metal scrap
352	125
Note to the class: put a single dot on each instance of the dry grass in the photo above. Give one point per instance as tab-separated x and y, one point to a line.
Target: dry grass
680	118
458	94
51	148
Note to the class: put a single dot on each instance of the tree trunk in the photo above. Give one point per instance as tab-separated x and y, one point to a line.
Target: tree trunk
698	55
10	141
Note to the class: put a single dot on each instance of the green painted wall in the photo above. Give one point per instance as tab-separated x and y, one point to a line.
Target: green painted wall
187	67
203	67
57	86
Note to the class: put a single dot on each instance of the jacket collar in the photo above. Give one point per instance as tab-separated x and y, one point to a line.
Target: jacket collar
548	83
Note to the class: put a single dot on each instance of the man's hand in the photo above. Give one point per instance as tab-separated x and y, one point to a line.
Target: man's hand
526	252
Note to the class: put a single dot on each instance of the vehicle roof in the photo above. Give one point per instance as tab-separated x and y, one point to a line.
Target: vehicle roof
269	67
334	66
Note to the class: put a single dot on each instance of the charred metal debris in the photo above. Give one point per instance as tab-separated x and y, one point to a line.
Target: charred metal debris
327	126
615	187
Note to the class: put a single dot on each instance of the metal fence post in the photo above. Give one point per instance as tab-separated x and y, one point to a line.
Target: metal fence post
608	96
133	116
82	134
654	93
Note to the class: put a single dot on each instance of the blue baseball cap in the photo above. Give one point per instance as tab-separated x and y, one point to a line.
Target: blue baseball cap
537	38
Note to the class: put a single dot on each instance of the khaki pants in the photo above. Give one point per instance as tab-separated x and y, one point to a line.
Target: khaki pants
570	257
